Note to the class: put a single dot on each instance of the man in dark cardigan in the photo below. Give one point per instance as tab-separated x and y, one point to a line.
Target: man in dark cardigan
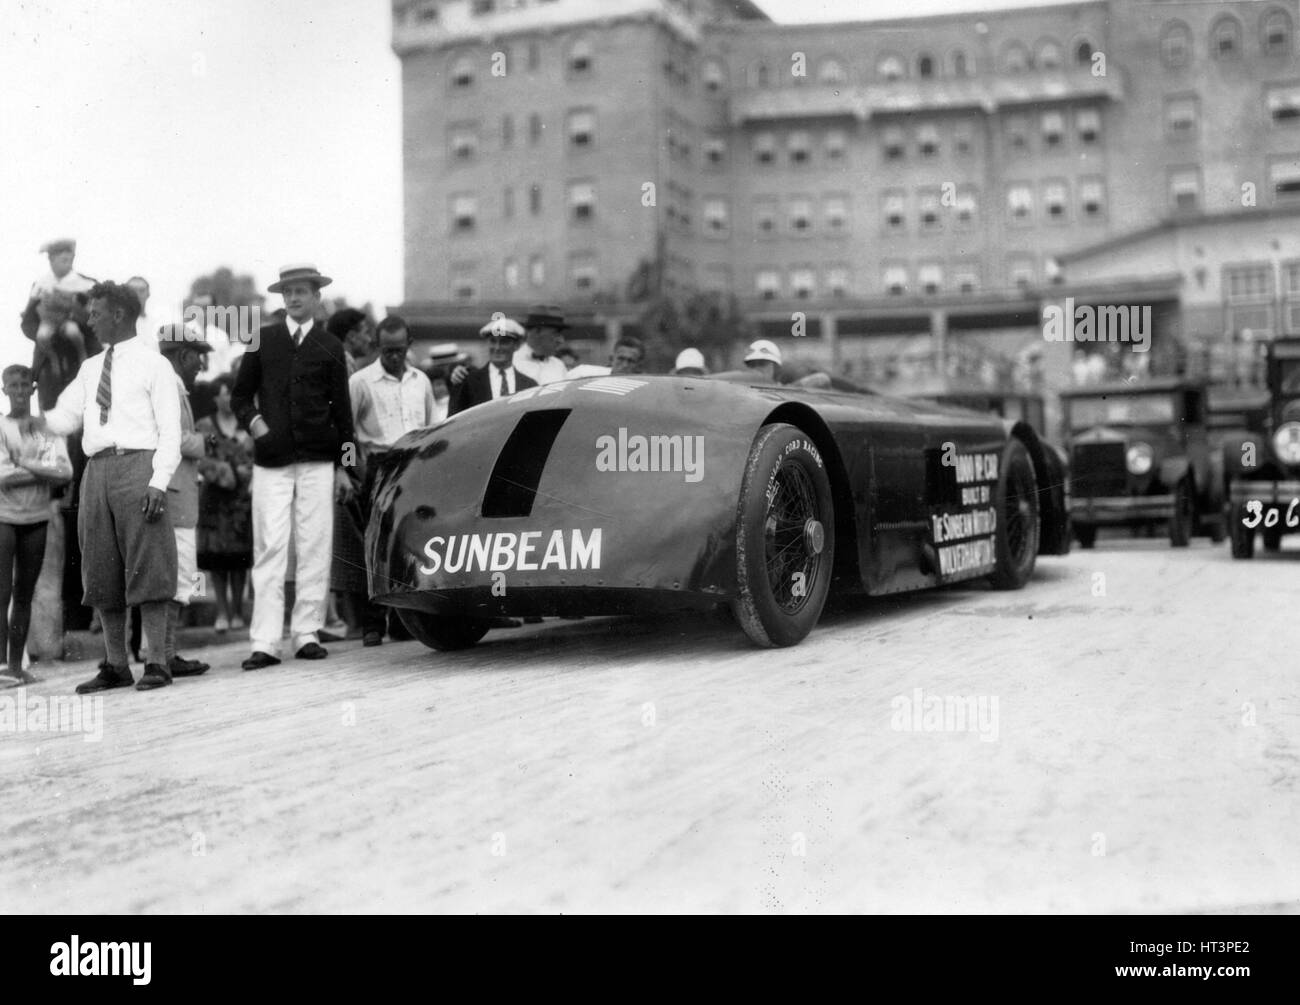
291	395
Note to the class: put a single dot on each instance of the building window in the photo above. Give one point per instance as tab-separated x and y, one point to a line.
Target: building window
1054	201
893	143
962	139
537	270
803	283
463	140
1248	283
889	68
1083	57
510	273
1049	55
928	201
837	281
582	201
895	212
508	204
1181	116
534	57
1276	31
799	144
1284	177
966	279
1017	133
1087	123
1053	128
717	217
767	283
925	66
1092	198
1185	189
464	212
930	278
1021	272
1020	203
582	272
578	60
1015	58
1284	103
836	211
764	148
835	144
715	151
1176	45
800	215
959	64
582	128
927	140
1225	38
831	72
535	199
462	73
464	287
895	279
965	207
534	129
765	217
714	76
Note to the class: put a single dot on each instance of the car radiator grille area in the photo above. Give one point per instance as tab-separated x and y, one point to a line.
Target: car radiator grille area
1098	469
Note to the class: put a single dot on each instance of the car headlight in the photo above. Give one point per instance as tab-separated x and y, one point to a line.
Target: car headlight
1139	458
1286	441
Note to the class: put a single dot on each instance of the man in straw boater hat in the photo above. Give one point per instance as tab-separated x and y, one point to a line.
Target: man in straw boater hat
291	395
126	403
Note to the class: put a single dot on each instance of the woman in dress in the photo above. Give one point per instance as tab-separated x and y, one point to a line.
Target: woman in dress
225	540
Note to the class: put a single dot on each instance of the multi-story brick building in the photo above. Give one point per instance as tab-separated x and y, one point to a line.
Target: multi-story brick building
913	187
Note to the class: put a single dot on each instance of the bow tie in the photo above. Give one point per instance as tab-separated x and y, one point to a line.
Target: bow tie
539	359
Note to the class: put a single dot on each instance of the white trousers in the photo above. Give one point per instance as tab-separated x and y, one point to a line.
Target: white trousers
189	581
296	500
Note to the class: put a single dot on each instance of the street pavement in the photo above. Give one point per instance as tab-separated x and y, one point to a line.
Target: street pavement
1134	746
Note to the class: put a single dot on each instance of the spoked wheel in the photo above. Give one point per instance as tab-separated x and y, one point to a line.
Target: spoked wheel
1180	524
441	632
1018	526
785	538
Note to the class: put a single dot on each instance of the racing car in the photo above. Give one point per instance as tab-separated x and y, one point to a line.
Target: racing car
624	495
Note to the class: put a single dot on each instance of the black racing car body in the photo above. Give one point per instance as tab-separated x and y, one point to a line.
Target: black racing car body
623	495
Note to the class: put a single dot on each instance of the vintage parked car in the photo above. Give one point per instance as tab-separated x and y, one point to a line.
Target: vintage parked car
619	495
1140	453
1264	466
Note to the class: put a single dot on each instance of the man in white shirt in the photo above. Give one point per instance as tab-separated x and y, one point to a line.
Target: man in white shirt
543	329
126	403
389	400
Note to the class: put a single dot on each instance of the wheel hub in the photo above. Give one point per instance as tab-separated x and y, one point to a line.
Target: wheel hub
814	536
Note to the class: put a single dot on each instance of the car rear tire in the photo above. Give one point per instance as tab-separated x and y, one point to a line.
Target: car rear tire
1180	523
1272	538
1016	539
437	631
1086	535
785	538
1243	538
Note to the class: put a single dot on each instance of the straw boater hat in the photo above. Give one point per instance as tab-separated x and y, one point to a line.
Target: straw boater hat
300	272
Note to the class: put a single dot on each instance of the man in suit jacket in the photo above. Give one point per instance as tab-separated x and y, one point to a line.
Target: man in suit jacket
291	395
184	348
499	378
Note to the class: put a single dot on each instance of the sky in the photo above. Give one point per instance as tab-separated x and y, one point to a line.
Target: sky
170	137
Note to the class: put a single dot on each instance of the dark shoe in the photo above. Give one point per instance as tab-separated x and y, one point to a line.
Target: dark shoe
181	667
372	639
108	677
532	619
155	675
312	651
504	623
259	660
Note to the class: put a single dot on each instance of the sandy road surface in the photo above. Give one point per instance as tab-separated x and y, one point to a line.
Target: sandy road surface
1145	755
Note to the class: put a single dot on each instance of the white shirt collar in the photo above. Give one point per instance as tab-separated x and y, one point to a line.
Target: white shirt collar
375	372
306	326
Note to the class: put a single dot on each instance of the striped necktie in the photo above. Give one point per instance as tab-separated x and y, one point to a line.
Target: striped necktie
104	394
505	384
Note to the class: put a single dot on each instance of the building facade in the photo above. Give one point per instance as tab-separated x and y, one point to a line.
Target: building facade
909	191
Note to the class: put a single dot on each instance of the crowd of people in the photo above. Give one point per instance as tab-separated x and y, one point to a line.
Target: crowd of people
180	477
